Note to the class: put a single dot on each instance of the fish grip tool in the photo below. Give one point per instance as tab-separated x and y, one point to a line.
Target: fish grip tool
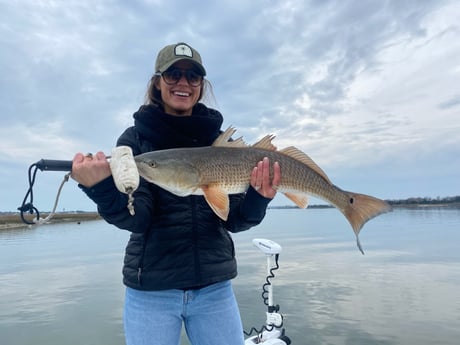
122	166
125	173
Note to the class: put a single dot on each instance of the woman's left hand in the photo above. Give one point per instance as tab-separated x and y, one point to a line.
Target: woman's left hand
260	178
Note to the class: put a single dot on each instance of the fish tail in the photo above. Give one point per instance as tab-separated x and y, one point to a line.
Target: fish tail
361	208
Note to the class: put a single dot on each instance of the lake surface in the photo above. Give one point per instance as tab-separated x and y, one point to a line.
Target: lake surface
61	283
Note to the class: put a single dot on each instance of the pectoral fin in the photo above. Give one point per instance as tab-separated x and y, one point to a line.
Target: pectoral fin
217	199
301	200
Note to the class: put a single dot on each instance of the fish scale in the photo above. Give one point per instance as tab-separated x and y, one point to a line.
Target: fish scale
232	169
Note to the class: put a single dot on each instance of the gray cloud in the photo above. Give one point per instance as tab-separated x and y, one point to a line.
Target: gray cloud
74	73
450	103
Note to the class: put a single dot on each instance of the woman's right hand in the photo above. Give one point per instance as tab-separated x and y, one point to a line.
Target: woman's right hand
260	178
89	170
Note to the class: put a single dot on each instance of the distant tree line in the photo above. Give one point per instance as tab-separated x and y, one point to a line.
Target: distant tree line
409	201
426	201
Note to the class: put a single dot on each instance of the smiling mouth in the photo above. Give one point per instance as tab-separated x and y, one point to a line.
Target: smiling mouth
181	94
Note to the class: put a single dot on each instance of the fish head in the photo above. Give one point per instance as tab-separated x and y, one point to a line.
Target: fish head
175	174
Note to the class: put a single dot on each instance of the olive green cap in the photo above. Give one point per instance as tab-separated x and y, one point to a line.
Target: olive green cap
176	52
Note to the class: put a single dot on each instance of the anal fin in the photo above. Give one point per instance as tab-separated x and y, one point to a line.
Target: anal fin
301	200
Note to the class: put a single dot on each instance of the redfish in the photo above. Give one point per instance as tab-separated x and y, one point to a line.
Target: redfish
225	168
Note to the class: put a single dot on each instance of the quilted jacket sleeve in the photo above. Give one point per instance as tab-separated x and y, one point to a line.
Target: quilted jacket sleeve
246	210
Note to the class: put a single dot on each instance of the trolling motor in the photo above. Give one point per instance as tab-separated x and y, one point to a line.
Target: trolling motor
124	172
272	332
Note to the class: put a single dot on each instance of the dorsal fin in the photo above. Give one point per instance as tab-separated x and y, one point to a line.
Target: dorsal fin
295	153
266	143
223	139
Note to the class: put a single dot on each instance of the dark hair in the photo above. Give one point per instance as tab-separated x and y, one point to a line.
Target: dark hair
153	94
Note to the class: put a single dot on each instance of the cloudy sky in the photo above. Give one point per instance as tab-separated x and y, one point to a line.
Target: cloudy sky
370	89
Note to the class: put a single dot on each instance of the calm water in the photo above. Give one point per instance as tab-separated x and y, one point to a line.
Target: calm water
61	284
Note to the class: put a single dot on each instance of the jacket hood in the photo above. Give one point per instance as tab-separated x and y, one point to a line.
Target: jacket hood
167	131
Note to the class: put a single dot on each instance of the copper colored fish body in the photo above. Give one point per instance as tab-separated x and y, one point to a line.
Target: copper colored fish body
225	168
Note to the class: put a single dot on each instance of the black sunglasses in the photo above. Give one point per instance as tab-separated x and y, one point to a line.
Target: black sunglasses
173	75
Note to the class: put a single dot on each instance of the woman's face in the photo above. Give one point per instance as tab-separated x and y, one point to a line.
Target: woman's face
179	99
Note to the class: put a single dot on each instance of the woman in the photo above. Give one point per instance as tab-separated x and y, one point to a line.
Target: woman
180	257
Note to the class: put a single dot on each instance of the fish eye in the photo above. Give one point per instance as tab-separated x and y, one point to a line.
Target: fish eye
152	164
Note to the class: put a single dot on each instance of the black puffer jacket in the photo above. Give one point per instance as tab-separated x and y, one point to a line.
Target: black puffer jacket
176	242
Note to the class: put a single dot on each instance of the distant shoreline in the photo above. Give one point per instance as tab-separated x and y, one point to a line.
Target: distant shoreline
14	221
411	206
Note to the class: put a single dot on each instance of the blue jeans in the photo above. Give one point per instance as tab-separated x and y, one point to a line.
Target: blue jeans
210	315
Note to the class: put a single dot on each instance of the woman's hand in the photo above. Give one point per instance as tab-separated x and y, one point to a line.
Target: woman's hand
260	178
89	170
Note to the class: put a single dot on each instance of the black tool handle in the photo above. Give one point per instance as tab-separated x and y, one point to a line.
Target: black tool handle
54	165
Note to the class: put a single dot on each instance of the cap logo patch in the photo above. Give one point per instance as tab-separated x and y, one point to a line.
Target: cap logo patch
183	50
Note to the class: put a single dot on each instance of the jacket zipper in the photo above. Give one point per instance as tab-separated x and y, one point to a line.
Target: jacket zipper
141	259
195	239
139	272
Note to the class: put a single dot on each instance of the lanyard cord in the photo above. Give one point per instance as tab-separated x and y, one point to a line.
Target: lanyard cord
29	206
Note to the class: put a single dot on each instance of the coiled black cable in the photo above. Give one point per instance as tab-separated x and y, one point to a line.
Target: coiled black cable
268	283
265	299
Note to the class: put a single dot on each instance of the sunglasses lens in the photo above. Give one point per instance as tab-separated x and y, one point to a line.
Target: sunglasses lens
193	78
173	76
